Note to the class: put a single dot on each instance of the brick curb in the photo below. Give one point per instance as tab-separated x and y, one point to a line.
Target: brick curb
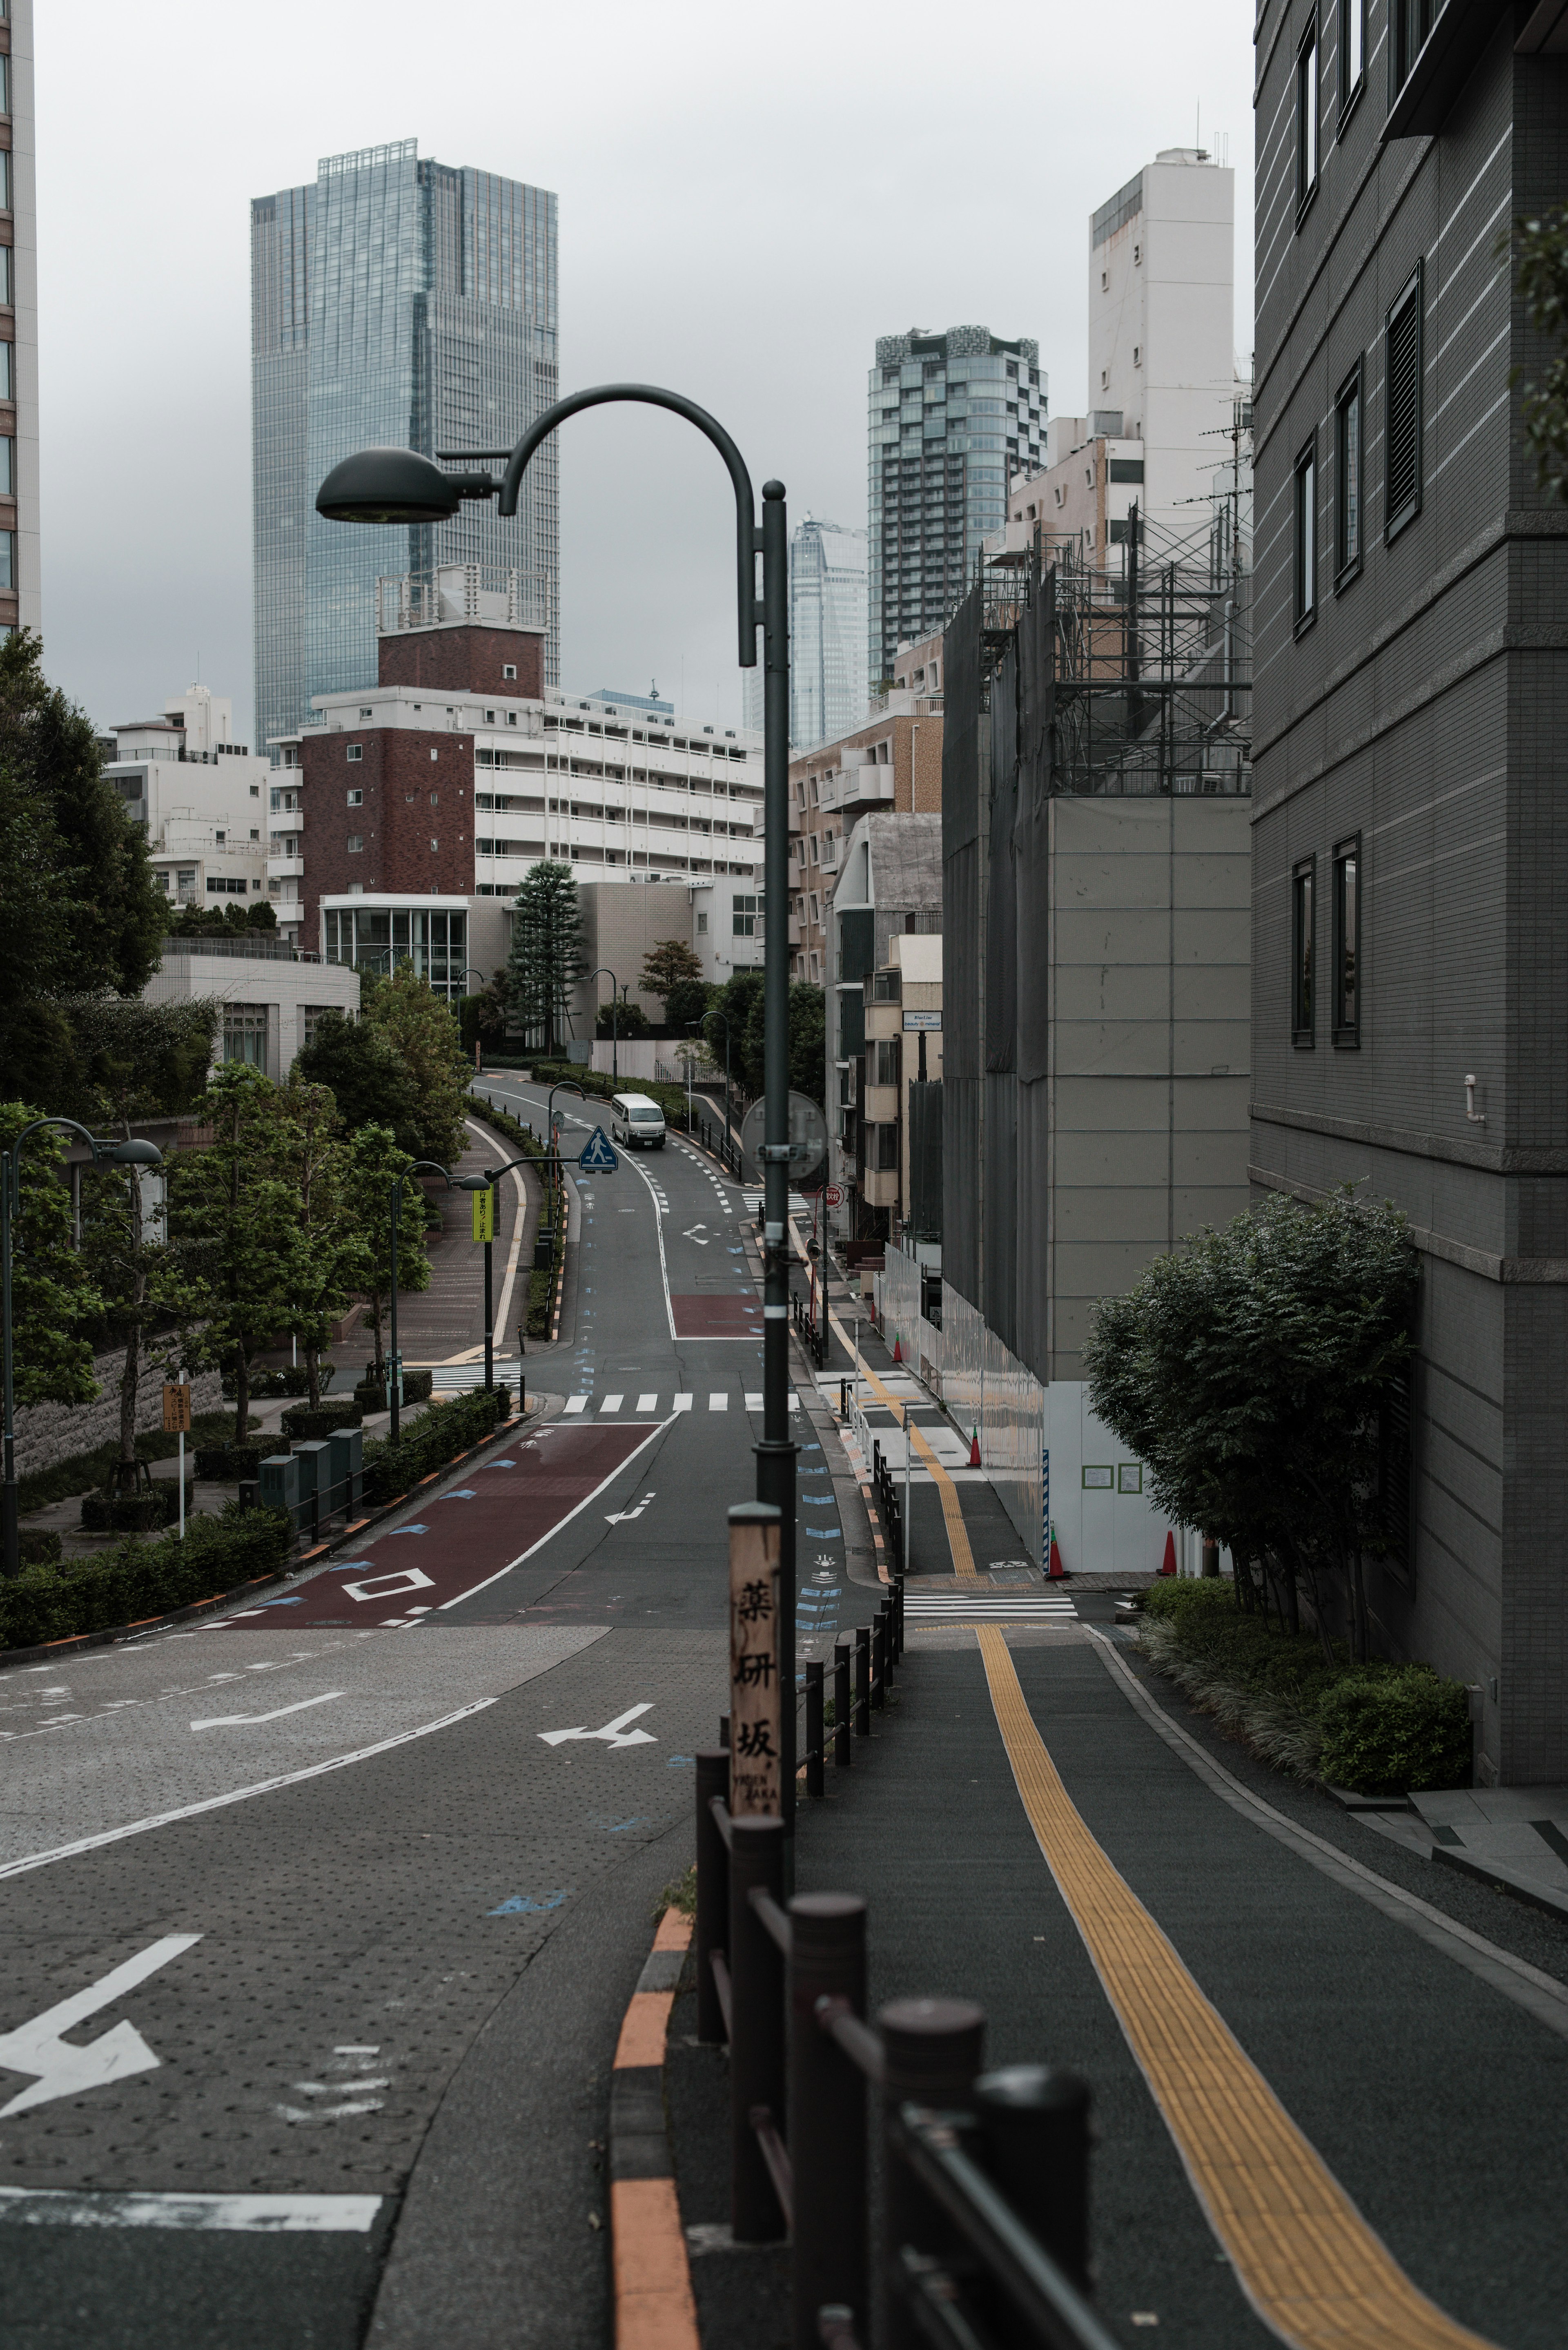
55	1651
654	2305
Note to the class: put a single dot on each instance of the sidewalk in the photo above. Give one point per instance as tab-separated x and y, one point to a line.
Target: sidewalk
1259	2018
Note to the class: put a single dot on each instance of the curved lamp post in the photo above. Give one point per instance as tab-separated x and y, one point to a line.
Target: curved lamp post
454	1183
604	972
134	1153
381	487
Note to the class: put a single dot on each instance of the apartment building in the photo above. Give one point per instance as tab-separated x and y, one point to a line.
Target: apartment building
889	890
203	798
897	1129
892	764
1410	875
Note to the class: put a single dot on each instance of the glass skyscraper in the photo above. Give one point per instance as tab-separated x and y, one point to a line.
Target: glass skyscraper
394	302
953	416
826	632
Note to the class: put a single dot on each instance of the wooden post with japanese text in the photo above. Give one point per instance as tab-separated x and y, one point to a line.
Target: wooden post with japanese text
755	1694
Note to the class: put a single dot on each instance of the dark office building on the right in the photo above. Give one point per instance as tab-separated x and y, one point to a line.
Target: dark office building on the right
1410	784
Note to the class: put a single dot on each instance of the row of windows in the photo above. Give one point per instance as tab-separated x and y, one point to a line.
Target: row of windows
1345	948
1410	21
1402	358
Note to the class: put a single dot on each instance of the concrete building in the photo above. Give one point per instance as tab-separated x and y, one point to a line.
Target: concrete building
900	1174
395	301
1411	875
21	603
425	797
272	995
891	763
889	887
204	801
951	418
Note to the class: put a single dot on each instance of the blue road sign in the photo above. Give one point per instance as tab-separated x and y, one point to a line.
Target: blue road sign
597	1156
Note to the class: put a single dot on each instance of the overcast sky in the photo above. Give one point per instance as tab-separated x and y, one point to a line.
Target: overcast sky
745	203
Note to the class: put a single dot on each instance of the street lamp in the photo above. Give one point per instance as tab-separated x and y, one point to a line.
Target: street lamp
483	1183
133	1153
468	972
395	1379
605	972
561	1085
398	486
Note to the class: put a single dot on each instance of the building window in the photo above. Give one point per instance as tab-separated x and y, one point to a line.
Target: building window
1347	943
1303	892
244	1033
368	713
1402	373
1352	55
509	670
1348	478
7	372
889	1056
512	718
356	844
1306	122
886	1149
1306	536
1410	21
7	458
7	559
355	752
4	180
743	917
357	796
7	279
701	926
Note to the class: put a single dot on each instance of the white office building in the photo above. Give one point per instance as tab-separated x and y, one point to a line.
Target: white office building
202	797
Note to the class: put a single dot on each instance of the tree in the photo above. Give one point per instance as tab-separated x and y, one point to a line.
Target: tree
53	1301
377	1162
740	1001
333	1255
622	1020
369	1078
1251	1372
687	1001
421	1031
1540	277
41	895
808	1041
482	1017
664	968
227	921
233	1209
546	955
140	1060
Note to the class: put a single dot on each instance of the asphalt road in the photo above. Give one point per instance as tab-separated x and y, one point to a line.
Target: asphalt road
319	1920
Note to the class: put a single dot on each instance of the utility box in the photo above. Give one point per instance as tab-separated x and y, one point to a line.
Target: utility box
544	1250
312	1454
344	1469
279	1480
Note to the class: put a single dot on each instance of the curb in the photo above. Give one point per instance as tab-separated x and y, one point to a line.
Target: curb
654	2305
54	1651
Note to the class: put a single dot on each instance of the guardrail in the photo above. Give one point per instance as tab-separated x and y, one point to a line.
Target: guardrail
812	1336
984	2175
888	1508
721	1145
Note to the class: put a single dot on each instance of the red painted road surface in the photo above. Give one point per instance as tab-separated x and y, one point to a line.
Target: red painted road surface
489	1518
717	1317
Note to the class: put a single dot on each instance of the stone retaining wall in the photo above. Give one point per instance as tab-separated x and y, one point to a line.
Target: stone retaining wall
50	1432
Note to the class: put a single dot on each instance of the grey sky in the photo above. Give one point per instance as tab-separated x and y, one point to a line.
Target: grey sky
745	203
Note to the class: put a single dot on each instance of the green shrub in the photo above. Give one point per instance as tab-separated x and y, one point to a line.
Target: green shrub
41	1546
139	1579
225	1464
430	1441
139	1512
1396	1727
293	1379
300	1424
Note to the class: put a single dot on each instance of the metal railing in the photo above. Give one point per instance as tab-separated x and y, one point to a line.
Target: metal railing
984	2231
721	1145
888	1508
813	1335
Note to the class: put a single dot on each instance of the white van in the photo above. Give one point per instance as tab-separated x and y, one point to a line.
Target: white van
637	1122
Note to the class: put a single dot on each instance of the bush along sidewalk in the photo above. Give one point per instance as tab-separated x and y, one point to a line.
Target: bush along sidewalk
433	1440
1374	1727
542	1280
138	1579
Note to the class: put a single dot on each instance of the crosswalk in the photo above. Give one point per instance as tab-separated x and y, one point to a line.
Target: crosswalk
987	1608
647	1406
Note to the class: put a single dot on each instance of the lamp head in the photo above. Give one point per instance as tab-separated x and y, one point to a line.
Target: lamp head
388	485
470	1182
135	1153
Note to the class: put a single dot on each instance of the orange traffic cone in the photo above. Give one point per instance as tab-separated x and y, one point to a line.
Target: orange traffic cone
1057	1571
1168	1564
974	1447
898	1351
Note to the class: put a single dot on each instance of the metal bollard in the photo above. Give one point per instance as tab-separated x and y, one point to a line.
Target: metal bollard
827	2114
891	1637
1035	2142
898	1615
757	2027
932	2049
862	1680
879	1658
813	1730
843	1752
712	1888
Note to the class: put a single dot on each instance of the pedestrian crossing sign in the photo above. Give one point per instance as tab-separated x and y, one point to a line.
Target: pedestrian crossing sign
485	1214
597	1156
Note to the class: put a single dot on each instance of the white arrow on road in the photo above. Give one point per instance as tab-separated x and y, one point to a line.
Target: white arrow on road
620	1517
227	1721
63	2071
614	1733
695	1232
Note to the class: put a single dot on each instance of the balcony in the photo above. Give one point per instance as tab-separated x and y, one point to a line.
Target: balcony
879	1187
829	856
285	869
869	783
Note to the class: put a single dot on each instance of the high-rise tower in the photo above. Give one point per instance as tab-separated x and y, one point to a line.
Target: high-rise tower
828	632
952	417
393	302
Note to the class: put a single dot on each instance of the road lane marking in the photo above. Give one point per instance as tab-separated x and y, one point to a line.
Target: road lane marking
682	1403
648	1403
1311	2266
250	2215
612	1403
615	1734
64	2070
576	1403
235	1795
228	1720
718	1400
552	1532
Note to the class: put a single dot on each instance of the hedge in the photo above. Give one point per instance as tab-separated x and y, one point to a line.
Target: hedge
138	1513
293	1379
1374	1727
300	1424
231	1465
138	1579
541	1282
370	1395
433	1439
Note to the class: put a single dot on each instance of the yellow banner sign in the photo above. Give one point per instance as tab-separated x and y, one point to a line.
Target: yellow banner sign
485	1214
